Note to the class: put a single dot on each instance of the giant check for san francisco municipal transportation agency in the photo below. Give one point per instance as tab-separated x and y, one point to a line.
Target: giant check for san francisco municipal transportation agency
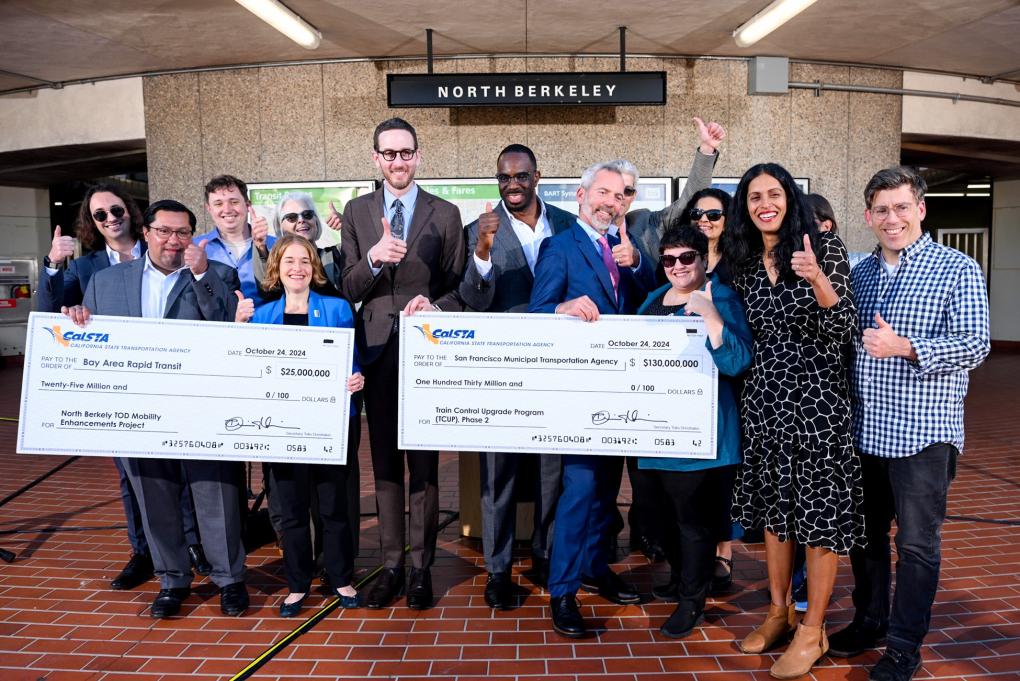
185	389
552	383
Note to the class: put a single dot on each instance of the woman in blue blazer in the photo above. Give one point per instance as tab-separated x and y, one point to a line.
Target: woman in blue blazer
295	267
695	492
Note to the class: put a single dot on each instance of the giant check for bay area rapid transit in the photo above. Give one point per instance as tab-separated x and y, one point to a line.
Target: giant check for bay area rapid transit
185	389
556	384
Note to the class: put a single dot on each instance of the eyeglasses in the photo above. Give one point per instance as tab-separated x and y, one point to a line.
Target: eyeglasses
685	258
713	214
902	210
164	233
520	178
305	215
116	211
629	191
391	155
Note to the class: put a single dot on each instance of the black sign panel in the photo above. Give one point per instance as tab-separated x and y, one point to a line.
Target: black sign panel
527	89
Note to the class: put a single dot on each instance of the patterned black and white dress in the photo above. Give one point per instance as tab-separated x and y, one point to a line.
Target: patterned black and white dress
801	478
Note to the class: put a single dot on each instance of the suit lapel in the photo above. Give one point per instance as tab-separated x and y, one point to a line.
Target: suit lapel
133	286
183	281
590	252
376	212
509	244
422	213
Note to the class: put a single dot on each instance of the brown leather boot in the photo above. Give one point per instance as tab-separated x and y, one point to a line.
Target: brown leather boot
807	647
776	628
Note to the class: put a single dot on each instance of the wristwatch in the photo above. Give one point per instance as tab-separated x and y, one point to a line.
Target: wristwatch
49	263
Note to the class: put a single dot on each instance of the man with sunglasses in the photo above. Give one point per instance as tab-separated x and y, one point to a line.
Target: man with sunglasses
403	249
644	229
234	240
503	247
175	280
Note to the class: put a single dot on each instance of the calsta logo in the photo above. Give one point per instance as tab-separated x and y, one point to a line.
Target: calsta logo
439	335
66	337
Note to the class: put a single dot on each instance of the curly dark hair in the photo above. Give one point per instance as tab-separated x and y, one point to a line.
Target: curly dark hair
685	236
742	244
85	226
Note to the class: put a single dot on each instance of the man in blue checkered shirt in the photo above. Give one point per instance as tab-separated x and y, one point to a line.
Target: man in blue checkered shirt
923	309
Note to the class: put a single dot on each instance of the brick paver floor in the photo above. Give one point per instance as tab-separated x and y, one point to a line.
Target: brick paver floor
59	619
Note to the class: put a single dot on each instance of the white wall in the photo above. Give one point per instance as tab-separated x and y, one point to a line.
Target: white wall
925	115
78	114
1005	270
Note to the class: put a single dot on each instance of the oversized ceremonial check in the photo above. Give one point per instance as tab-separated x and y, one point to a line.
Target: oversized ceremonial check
183	389
552	383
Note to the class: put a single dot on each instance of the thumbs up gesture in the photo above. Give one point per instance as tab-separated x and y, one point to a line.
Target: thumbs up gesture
335	219
389	249
61	248
625	253
882	341
804	263
488	225
259	230
195	258
245	308
700	302
710	134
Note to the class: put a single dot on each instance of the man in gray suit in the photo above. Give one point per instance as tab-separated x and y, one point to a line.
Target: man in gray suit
175	280
644	229
504	244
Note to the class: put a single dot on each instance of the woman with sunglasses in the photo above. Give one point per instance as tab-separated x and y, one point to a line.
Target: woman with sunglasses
800	480
707	211
293	268
109	226
695	493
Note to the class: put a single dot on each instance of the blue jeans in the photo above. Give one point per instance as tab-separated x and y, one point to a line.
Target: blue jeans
912	490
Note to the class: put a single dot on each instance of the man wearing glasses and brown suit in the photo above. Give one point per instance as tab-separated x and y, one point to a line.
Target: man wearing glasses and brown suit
403	249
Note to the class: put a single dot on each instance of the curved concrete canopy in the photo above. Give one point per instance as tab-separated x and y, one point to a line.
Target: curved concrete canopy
55	41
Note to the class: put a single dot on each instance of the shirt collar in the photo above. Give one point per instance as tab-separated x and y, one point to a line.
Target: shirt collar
541	213
149	267
114	256
407	199
592	233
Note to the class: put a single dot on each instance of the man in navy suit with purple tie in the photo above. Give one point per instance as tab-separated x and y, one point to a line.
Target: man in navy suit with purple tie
587	272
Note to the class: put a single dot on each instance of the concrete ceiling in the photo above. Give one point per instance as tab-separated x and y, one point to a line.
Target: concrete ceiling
56	41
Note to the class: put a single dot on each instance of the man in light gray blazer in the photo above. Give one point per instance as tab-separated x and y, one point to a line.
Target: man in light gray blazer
175	280
502	249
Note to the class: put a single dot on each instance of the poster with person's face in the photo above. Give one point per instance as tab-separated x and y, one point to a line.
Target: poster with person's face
291	215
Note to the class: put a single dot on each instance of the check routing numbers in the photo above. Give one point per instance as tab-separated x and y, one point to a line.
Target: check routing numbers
553	384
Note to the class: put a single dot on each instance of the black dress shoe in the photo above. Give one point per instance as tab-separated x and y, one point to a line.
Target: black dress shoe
668	592
198	561
419	589
895	665
234	599
388	585
721	583
649	547
683	620
497	590
854	639
292	609
566	617
611	587
168	602
137	571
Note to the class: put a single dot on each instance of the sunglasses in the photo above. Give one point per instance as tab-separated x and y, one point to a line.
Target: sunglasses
713	214
685	258
116	211
306	215
629	191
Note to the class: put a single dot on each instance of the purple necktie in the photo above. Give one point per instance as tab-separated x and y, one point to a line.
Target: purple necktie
607	258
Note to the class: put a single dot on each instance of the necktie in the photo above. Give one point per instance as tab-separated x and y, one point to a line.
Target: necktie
397	224
607	258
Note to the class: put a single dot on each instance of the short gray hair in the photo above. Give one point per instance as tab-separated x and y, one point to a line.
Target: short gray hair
588	176
894	177
305	199
625	167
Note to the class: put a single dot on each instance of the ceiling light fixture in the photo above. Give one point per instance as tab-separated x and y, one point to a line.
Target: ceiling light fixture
978	194
943	195
768	20
277	15
979	186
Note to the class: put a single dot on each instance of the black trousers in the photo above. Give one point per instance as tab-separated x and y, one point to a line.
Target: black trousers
295	486
388	468
642	513
694	515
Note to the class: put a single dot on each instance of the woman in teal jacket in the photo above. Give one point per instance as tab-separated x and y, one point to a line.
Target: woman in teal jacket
694	492
294	265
